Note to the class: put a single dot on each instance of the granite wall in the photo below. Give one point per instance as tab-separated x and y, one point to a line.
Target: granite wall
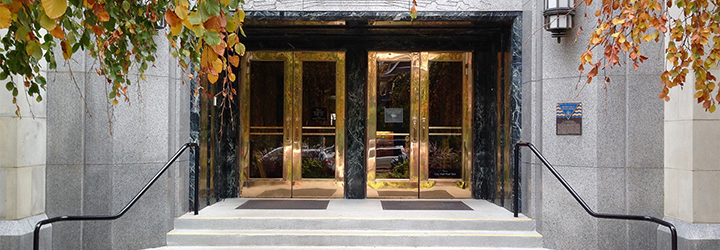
615	165
100	156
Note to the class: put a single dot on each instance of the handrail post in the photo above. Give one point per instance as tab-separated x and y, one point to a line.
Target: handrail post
516	186
196	147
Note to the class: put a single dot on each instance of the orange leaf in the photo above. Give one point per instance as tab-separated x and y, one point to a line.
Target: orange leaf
593	72
97	30
219	49
235	60
67	51
171	18
58	32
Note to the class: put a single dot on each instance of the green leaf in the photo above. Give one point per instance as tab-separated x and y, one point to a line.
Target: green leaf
212	8
112	94
212	38
10	86
39	98
3	76
125	5
15	92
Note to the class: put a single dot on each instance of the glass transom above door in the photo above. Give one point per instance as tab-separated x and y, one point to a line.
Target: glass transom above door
292	110
419	125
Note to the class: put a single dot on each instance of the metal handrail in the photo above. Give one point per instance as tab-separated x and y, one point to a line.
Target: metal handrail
592	213
36	233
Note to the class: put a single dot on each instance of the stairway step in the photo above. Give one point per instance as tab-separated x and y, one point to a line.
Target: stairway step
465	238
332	248
353	223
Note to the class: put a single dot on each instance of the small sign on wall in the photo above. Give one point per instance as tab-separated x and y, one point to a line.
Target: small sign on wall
568	118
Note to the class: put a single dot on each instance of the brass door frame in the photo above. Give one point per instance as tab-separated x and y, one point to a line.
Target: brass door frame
292	122
419	125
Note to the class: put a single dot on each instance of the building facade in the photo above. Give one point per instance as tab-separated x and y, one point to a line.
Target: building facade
351	99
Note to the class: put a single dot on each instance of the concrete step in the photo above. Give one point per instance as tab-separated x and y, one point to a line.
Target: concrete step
353	223
333	248
385	238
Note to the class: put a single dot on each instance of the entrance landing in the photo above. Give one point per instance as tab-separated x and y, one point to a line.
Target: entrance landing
353	224
356	209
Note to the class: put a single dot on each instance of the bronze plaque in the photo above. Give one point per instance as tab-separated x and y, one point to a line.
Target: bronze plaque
568	118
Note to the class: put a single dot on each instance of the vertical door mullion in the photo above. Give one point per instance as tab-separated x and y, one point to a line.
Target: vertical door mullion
296	114
414	117
423	106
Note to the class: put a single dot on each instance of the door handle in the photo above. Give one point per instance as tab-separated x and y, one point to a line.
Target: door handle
414	130
424	132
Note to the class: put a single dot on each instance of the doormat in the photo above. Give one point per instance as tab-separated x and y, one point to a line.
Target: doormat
434	194
424	205
285	204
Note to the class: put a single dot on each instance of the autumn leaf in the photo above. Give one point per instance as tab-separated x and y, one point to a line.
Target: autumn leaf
54	8
171	18
58	32
234	60
67	51
5	17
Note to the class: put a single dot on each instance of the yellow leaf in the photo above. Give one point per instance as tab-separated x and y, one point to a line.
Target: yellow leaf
143	77
615	34
181	12
621	39
240	49
225	2
212	78
115	102
175	30
31	47
54	8
231	39
239	17
217	65
5	17
47	23
699	94
231	76
712	109
617	21
183	3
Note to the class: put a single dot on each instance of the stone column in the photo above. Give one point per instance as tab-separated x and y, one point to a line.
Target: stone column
22	170
692	172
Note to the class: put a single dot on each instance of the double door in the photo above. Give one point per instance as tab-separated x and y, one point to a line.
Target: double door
292	124
419	125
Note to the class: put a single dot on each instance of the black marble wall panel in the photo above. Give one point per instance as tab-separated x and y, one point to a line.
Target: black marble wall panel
355	125
194	133
484	124
516	93
226	169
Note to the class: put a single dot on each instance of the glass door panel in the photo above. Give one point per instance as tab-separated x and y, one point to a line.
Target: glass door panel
320	101
292	124
418	125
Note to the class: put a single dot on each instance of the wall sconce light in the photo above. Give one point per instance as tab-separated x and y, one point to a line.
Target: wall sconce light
559	17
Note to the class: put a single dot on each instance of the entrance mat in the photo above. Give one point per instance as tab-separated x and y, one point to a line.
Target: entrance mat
424	205
434	194
285	204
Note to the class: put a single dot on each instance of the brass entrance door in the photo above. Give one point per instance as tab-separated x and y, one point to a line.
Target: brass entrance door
419	125
292	123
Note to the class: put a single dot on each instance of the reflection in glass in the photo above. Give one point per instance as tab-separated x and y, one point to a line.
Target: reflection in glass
445	118
318	120
393	120
266	119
